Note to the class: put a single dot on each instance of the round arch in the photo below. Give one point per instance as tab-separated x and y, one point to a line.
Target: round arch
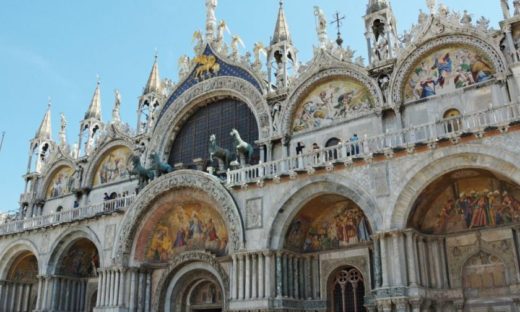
95	160
180	268
201	94
413	55
305	191
50	173
319	75
65	240
11	253
224	203
419	177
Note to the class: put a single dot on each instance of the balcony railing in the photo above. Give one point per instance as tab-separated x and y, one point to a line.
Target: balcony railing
348	151
75	214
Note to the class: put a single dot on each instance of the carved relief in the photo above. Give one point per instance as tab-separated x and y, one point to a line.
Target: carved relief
254	213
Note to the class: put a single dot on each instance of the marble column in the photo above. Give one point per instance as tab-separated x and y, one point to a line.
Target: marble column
316	277
141	289
296	266
290	276
384	260
148	299
423	258
254	276
270	275
247	278
398	279
261	275
285	289
434	249
410	259
133	291
116	288
279	273
377	261
234	276
241	290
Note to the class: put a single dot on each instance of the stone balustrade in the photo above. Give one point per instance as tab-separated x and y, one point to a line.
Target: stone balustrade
347	152
67	216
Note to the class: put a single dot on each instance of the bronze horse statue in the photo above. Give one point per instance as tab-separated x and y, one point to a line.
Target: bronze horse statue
159	167
144	175
218	152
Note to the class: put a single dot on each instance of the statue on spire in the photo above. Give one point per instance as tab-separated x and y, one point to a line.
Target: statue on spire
321	26
116	117
211	18
505	8
63	127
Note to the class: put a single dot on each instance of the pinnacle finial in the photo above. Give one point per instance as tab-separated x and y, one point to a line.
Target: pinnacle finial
94	110
154	80
281	30
44	131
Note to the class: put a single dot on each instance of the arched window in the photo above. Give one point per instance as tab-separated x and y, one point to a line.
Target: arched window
452	121
333	154
348	291
217	118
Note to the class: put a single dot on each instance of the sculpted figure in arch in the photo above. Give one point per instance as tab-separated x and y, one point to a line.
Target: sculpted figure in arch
321	25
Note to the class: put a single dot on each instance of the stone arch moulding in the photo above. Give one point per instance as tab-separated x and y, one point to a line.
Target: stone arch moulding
404	67
203	92
64	241
419	177
307	85
180	179
305	191
90	170
12	251
49	175
203	260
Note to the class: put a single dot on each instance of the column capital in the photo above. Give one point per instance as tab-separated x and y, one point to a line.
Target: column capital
384	305
400	304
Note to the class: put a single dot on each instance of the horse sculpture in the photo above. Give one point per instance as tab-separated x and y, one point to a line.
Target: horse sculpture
222	154
144	175
159	167
242	147
207	65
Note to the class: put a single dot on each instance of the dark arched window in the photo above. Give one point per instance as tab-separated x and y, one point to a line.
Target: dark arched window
348	291
217	118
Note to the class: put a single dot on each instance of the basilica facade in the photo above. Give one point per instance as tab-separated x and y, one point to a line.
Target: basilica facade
258	182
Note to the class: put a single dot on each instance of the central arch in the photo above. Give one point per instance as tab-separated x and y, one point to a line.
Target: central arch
179	180
194	281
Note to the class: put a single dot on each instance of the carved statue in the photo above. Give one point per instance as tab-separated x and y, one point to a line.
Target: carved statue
381	48
321	26
211	19
116	117
221	29
235	41
466	18
258	50
207	65
431	5
505	8
63	127
198	41
223	155
242	147
159	167
184	66
516	5
144	175
74	153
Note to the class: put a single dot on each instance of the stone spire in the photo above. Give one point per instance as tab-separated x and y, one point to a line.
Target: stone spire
281	30
94	110
154	81
44	131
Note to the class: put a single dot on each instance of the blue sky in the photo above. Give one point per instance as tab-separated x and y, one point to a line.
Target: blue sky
57	47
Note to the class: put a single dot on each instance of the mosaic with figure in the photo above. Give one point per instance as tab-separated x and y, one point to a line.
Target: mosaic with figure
466	199
331	101
445	70
113	167
80	260
62	183
326	223
182	221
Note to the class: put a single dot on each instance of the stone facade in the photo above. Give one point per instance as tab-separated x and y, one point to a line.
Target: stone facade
392	186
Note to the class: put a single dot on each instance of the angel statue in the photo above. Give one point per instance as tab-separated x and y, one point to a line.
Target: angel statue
116	116
221	29
63	127
431	5
235	41
321	26
184	66
258	49
211	19
198	41
505	8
